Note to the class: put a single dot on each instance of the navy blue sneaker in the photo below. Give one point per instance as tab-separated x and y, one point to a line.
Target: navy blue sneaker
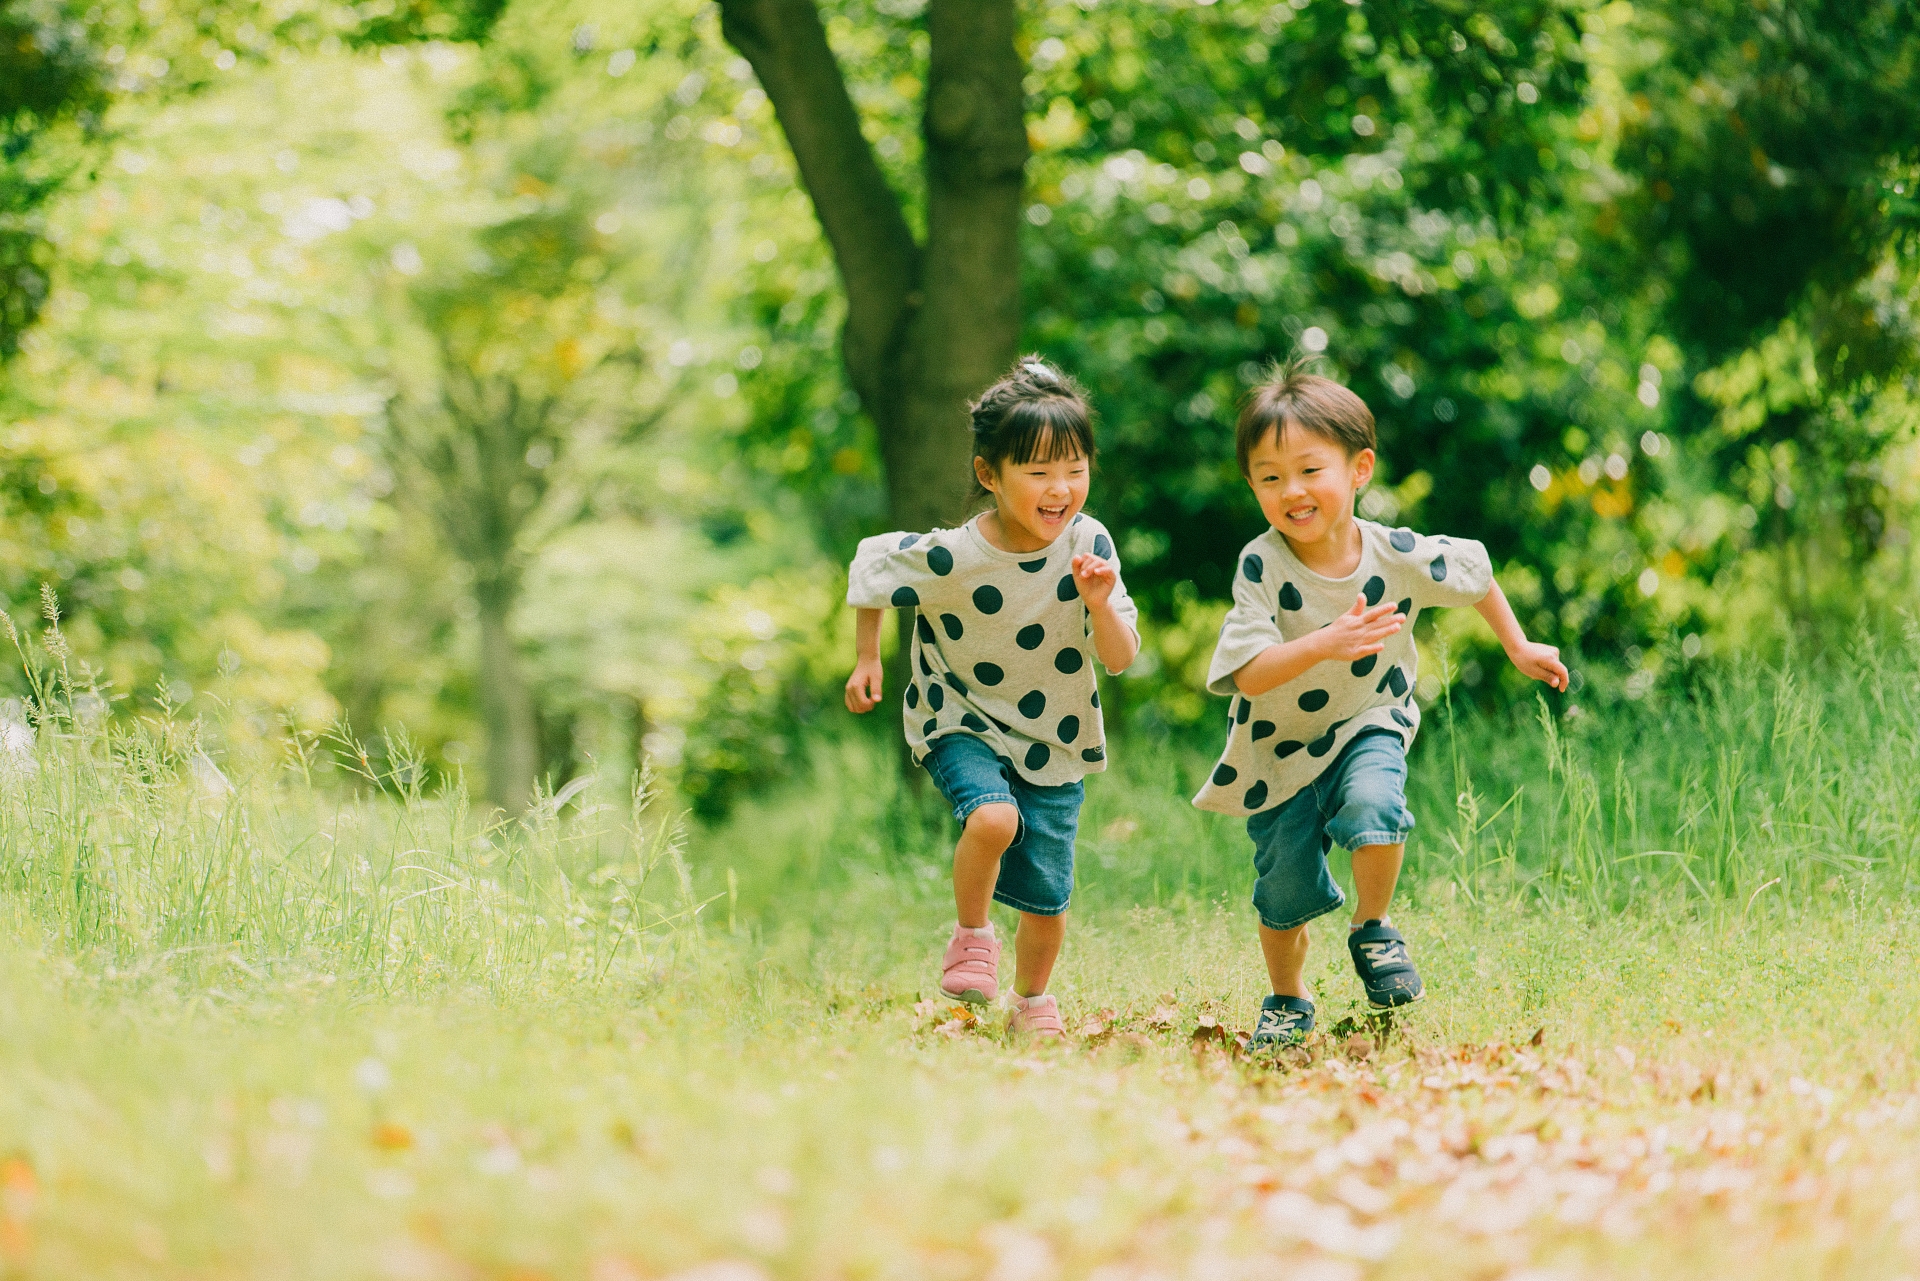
1380	959
1284	1020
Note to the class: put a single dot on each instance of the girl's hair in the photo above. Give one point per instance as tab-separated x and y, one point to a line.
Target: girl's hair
1289	394
1034	413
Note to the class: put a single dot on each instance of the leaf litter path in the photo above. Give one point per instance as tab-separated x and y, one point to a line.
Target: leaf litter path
1363	1154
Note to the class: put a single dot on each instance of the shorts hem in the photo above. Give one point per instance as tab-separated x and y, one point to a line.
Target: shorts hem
964	810
1362	839
1334	906
1007	900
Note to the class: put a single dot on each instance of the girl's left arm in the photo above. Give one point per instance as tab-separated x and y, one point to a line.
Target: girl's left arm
1114	639
1542	662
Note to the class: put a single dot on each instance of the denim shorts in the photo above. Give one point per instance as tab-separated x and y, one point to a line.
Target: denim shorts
1360	799
1036	872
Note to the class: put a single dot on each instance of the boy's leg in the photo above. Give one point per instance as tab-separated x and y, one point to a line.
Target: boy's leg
1286	953
1036	946
976	859
1376	871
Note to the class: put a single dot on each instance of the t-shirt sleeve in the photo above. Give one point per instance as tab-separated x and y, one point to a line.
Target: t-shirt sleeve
1459	573
1249	629
897	571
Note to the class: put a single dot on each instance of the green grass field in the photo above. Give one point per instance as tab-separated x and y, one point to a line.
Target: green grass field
253	1027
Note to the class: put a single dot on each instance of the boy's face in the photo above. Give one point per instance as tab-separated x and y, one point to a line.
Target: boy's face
1306	483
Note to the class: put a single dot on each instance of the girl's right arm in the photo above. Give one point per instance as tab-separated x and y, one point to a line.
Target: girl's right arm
863	687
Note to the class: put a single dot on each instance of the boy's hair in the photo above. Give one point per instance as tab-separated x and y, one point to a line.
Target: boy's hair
1034	412
1313	403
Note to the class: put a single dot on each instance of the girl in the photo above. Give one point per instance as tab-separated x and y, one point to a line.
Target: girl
1002	708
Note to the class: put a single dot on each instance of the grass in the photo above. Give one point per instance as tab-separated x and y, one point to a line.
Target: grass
257	1027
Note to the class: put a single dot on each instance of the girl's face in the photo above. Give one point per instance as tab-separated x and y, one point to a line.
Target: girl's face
1306	483
1036	500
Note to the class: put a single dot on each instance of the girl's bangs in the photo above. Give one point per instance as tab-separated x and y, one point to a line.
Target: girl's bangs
1048	431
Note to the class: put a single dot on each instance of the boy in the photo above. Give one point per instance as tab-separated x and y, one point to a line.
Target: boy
1319	650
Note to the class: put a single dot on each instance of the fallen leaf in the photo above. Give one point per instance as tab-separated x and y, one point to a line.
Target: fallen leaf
1538	1037
1359	1047
1207	1029
1164	1016
391	1136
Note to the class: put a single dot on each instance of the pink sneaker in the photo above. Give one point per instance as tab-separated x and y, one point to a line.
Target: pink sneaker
1036	1016
971	970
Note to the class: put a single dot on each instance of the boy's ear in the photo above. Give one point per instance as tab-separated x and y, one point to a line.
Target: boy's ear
1363	467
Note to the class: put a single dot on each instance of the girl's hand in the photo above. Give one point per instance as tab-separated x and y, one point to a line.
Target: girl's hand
1542	662
1361	631
863	687
1096	578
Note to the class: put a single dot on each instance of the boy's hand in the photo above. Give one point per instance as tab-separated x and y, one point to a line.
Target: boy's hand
1541	662
1095	576
1361	631
863	687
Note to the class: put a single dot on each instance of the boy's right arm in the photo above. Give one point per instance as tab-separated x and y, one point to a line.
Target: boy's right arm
863	687
1355	634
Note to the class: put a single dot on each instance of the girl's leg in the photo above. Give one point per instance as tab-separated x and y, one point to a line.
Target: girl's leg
1376	870
976	860
1286	953
1036	946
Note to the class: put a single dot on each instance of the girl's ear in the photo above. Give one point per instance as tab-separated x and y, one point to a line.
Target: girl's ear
985	475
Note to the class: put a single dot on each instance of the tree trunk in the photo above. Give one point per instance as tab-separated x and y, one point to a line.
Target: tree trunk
506	705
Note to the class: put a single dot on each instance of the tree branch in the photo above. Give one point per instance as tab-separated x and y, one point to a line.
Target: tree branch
878	259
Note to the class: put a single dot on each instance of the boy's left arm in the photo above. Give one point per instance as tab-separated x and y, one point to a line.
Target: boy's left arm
1541	662
1114	639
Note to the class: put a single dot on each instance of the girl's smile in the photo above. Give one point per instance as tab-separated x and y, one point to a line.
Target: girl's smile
1035	501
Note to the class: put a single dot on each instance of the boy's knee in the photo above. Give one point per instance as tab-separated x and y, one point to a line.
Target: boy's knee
996	823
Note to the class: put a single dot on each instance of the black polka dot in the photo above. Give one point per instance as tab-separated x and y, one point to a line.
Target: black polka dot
986	598
1376	588
1286	749
1401	718
936	697
1438	569
1223	774
929	727
913	695
925	628
1102	547
1037	756
1402	540
1002	725
1444	542
1069	728
1365	665
1096	698
959	686
952	624
1256	795
1030	636
974	723
924	669
1262	729
1290	596
1406	607
1078	517
988	674
1032	704
903	597
1244	710
1252	567
1395	680
1034	566
1322	745
1069	661
1094	754
1313	700
909	541
940	560
1066	590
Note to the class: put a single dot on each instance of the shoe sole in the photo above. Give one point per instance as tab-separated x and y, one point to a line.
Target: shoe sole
972	996
1397	1005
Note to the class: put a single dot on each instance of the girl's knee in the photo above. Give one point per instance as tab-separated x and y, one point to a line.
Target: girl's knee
996	823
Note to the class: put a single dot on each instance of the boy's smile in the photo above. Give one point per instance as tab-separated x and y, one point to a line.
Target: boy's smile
1306	486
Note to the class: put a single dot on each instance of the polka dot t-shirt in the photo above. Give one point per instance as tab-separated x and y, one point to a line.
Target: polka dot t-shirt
1002	648
1278	742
